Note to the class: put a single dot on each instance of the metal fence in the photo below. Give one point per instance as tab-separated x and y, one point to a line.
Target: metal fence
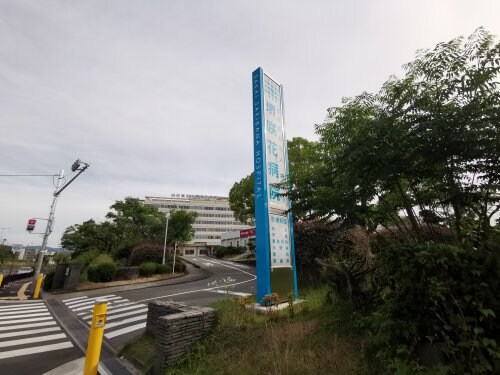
15	277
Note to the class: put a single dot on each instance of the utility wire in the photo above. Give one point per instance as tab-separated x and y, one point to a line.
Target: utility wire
28	175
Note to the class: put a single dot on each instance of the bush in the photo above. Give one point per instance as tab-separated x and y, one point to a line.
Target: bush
163	268
47	281
93	274
103	272
438	306
127	273
180	267
147	268
222	251
106	271
147	253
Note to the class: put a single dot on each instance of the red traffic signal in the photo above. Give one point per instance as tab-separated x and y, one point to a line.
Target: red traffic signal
31	225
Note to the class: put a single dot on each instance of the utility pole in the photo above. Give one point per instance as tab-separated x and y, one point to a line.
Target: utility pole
165	243
1	236
50	220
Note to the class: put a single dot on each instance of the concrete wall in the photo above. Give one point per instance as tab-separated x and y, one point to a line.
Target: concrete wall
176	328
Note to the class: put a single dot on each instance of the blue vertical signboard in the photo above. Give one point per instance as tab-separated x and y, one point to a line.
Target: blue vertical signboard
275	251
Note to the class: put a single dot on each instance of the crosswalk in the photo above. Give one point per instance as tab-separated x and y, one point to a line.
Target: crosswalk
123	316
29	328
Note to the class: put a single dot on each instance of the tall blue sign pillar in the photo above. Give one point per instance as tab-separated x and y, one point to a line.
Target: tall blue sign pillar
275	252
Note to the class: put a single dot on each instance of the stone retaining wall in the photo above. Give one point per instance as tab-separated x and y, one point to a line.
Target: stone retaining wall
176	328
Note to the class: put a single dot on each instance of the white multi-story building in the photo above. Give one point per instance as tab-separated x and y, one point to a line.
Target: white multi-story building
214	218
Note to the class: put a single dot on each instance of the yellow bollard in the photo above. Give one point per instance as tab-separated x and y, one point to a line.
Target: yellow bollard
38	286
1	279
95	337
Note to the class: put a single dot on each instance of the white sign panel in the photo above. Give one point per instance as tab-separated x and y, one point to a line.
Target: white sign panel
279	238
276	158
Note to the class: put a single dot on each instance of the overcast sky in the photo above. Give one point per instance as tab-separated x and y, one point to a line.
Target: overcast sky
156	95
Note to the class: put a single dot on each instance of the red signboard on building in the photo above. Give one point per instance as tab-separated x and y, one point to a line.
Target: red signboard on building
247	233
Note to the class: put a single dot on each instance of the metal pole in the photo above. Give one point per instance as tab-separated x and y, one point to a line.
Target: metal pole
48	230
165	243
175	252
95	337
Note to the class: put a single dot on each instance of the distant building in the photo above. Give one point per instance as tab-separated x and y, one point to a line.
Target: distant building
239	238
214	218
18	252
30	254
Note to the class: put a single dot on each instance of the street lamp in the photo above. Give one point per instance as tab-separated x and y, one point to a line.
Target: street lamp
165	243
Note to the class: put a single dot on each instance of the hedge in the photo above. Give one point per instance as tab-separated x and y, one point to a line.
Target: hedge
147	269
103	272
147	253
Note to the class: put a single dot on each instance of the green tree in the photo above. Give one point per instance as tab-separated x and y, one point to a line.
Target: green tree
242	200
89	235
180	226
138	220
304	163
426	145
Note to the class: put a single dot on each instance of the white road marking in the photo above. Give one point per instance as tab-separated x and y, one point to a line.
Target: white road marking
36	349
133	307
91	302
21	326
128	313
21	306
41	309
208	264
30	340
87	300
24	316
25	320
241	294
125	321
73	299
122	331
28	332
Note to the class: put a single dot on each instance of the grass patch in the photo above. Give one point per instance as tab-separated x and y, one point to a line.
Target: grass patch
140	352
283	343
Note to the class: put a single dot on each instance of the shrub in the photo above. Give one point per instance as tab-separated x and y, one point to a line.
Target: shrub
222	251
147	268
93	274
47	281
127	273
180	267
163	268
106	271
438	306
147	253
103	272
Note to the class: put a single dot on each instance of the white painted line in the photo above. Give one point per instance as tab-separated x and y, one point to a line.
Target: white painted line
126	321
241	294
22	326
21	307
28	332
122	331
133	307
36	349
128	313
57	336
90	301
42	309
73	299
25	320
25	315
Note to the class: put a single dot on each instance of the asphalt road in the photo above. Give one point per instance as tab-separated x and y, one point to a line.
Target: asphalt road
127	309
36	336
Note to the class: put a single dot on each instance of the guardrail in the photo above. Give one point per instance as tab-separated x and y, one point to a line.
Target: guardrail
15	277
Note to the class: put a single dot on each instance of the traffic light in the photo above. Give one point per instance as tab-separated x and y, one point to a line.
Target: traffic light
31	225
